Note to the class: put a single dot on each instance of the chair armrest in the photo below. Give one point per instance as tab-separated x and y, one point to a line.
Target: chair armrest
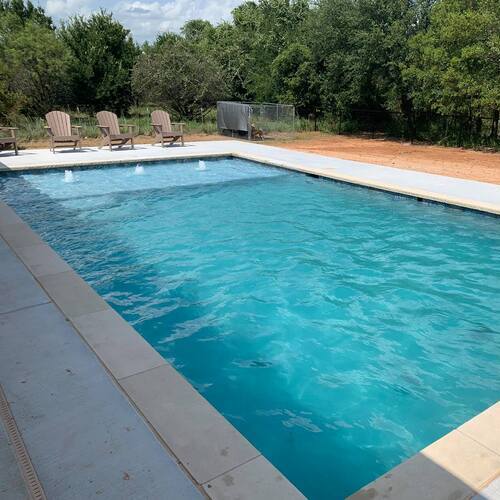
180	124
49	130
12	130
104	129
157	128
77	128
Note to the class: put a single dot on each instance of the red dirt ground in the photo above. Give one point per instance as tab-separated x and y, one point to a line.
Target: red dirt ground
454	162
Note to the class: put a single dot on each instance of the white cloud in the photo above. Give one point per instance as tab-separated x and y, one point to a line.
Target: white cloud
146	19
61	9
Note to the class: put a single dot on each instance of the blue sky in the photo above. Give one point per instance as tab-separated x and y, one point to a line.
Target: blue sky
146	18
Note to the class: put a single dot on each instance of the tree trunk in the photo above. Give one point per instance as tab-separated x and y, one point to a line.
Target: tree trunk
407	110
494	124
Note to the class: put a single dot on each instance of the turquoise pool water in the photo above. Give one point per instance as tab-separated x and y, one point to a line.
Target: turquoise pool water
339	329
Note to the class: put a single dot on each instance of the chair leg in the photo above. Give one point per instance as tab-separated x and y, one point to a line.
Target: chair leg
132	142
182	140
15	149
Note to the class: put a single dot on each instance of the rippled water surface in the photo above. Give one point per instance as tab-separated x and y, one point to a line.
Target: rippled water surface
339	329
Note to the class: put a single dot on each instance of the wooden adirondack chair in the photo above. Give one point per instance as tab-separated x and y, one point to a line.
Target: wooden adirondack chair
61	132
165	129
110	131
9	141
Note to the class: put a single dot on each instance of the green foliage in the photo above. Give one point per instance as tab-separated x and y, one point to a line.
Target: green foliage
336	59
103	56
38	65
361	47
33	62
25	12
295	79
455	65
177	74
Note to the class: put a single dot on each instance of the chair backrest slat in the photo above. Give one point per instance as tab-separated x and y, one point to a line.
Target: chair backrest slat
162	118
109	119
59	122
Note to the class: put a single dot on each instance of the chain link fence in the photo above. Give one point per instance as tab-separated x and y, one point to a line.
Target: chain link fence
272	117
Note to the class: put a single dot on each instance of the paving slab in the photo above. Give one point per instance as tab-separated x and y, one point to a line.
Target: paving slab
454	466
117	344
202	439
491	492
8	216
255	480
485	428
84	438
17	288
19	235
42	260
73	296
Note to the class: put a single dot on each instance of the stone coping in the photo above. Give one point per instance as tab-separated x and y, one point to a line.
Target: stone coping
420	194
462	193
216	456
221	460
457	466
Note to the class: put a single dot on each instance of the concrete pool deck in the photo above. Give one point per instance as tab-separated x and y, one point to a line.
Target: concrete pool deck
100	411
459	192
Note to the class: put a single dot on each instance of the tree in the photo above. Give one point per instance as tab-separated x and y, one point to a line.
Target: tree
24	12
295	79
454	66
103	57
361	47
38	64
178	75
260	31
197	30
33	62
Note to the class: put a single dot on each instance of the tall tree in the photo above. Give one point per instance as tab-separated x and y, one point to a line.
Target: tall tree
361	48
25	11
33	62
261	31
455	65
179	75
295	79
38	64
103	54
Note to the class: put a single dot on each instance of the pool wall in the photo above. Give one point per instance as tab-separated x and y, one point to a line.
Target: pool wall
216	456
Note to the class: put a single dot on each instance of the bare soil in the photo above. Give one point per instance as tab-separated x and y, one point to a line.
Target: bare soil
454	162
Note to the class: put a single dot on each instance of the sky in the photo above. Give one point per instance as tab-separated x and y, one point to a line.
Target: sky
146	18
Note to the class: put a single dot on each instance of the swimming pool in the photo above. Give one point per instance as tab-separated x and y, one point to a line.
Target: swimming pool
339	329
